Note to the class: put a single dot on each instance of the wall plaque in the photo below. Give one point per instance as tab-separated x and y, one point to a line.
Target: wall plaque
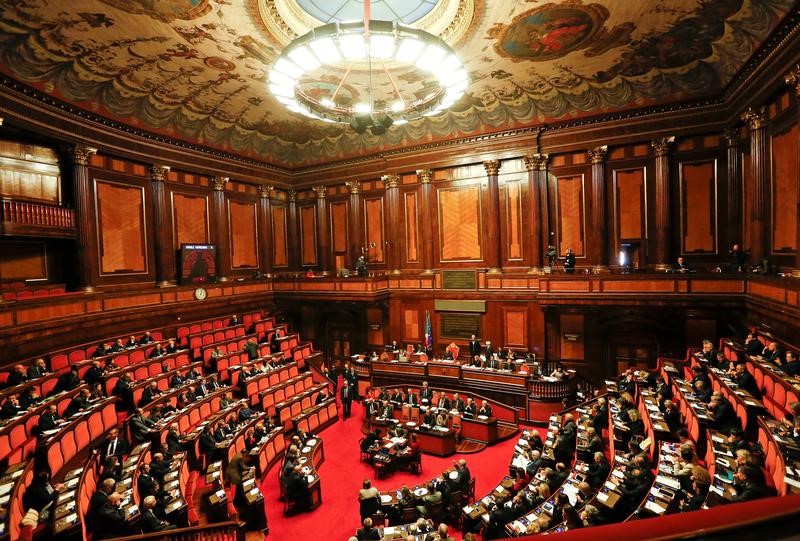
459	279
459	325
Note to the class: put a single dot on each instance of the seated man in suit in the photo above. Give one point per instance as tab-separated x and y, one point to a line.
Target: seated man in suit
745	380
124	390
177	380
68	381
146	339
430	417
470	409
117	346
157	351
141	427
412	398
150	393
772	353
50	419
368	533
79	403
491	362
681	266
387	410
131	343
111	519
486	409
11	407
444	402
171	347
399	431
396	397
101	351
791	364
149	521
37	369
95	374
747	484
17	376
671	416
723	415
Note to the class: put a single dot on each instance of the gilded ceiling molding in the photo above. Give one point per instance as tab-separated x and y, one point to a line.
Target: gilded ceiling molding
158	173
321	191
218	183
755	120
264	191
792	79
390	181
80	154
662	146
354	187
425	176
492	167
598	155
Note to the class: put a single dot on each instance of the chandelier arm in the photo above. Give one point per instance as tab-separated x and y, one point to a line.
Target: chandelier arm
394	85
367	16
341	83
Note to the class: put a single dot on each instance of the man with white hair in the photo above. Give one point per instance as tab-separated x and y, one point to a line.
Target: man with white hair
150	522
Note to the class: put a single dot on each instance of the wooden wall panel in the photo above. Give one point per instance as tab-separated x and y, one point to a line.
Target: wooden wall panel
29	171
785	178
121	228
571	214
698	185
630	203
571	324
373	228
308	235
411	227
339	235
747	199
411	323
243	234
23	261
280	255
515	327
460	223
514	220
189	219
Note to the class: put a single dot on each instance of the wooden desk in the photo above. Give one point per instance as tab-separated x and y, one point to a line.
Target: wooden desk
444	369
479	429
495	376
399	368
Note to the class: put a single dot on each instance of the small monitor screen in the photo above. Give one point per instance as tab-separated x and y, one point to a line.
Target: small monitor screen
198	263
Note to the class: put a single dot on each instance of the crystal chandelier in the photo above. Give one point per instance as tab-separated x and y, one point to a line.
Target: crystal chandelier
370	74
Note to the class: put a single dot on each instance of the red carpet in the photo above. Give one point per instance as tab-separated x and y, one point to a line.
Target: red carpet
342	475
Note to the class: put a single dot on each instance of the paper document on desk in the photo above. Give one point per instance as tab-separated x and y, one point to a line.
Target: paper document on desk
669	481
654	507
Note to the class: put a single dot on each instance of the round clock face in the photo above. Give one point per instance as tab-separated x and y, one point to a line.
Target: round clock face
200	293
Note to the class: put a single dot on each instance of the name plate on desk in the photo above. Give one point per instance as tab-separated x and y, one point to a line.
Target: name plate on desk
459	279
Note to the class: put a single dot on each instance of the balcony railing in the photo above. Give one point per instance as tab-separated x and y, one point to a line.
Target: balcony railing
16	215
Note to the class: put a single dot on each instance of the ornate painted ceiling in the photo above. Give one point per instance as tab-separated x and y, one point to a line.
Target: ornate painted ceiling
195	70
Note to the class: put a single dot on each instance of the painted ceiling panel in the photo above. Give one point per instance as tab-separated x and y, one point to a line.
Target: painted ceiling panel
196	71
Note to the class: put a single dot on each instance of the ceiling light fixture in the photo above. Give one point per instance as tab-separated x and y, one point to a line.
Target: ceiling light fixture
368	74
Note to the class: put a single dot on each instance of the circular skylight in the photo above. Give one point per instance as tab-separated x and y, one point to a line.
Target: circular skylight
405	11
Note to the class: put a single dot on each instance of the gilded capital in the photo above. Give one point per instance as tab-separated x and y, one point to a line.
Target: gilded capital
353	186
218	183
158	173
264	191
536	162
80	154
391	181
731	136
425	176
1	120
792	79
755	120
291	196
662	146
321	191
598	154
492	167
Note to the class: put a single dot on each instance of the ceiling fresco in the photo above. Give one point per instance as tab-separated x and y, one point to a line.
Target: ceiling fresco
195	70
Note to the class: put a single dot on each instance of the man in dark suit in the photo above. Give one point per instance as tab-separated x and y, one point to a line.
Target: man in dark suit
426	393
347	399
489	350
772	353
368	533
208	444
177	380
174	441
95	374
148	486
458	403
145	339
486	409
723	415
708	352
470	409
149	394
598	470
49	419
149	521
251	348
113	445
17	376
474	347
412	398
444	402
791	365
745	380
11	407
37	369
747	485
68	381
79	403
752	346
671	416
100	497
111	519
124	390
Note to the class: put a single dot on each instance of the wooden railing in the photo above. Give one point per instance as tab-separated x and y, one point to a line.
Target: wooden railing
36	214
221	531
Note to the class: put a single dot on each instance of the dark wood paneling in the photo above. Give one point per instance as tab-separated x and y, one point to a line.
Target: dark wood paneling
23	261
698	206
190	219
460	223
785	178
411	223
121	229
308	236
629	189
280	254
373	229
243	234
570	213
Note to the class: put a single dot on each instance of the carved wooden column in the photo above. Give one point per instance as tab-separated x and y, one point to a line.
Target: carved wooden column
356	222
293	231
84	215
425	177
323	229
734	201
536	164
493	217
265	228
793	79
221	227
597	156
663	215
165	253
759	172
395	229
